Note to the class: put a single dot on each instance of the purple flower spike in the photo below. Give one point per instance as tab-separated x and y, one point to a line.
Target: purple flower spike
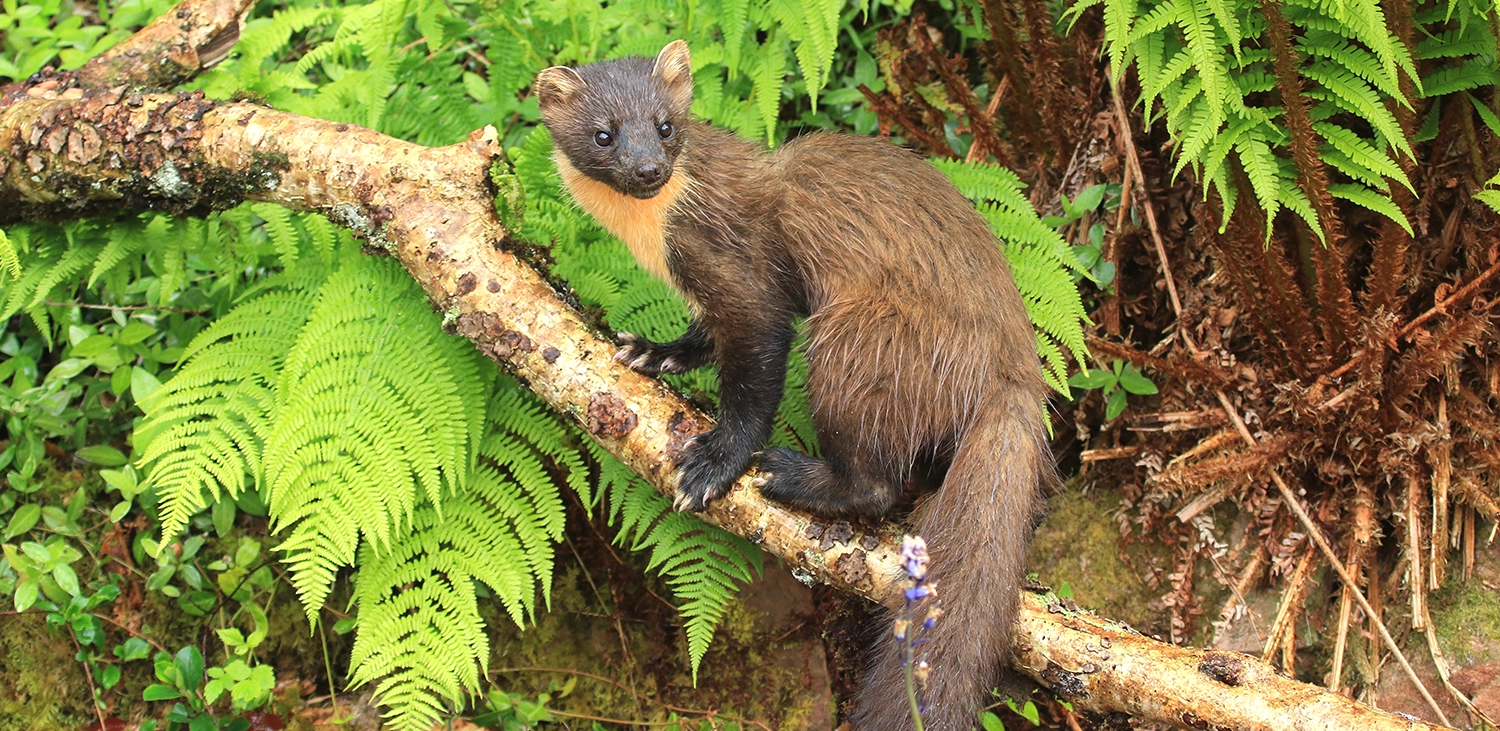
914	557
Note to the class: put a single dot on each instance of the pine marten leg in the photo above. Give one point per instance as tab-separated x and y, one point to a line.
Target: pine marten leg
693	349
848	483
751	350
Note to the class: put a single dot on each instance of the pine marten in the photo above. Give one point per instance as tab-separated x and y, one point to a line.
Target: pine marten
920	353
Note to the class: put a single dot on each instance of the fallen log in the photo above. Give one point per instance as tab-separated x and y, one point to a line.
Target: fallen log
83	144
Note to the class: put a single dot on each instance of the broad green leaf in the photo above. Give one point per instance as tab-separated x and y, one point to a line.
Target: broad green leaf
24	519
104	455
1131	380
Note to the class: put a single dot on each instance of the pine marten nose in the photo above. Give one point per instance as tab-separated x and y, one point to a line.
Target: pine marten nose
648	173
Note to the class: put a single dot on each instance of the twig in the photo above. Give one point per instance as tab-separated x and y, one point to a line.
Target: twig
1295	505
95	697
989	110
1134	162
1071	718
617	684
1241	585
1442	479
1434	311
564	671
1469	527
132	633
1441	663
333	689
124	308
1286	614
1417	581
614	615
1341	639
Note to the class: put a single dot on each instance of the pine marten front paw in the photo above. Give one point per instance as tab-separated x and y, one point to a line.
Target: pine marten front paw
708	470
648	358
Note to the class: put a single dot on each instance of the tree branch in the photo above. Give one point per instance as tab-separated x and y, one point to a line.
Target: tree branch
98	150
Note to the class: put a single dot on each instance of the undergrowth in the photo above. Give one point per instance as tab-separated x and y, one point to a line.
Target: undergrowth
256	362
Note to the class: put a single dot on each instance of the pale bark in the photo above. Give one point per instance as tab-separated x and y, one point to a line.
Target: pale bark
84	147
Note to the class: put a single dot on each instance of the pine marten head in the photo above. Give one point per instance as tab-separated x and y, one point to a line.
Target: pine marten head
621	122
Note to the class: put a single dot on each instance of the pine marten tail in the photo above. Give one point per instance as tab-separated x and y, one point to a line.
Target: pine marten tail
977	528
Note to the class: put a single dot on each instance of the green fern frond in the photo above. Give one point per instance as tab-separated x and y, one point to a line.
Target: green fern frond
262	37
735	14
1358	151
126	239
1373	200
10	259
1354	94
769	72
377	410
280	231
1040	260
205	428
1475	73
66	269
703	565
1262	169
43	257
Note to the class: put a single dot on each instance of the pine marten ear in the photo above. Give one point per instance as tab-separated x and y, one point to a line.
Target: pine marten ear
675	68
557	85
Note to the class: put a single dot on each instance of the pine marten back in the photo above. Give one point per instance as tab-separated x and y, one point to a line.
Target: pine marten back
919	347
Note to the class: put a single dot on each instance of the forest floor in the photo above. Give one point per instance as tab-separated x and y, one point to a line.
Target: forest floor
609	649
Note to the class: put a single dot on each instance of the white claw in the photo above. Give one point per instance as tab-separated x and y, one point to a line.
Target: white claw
758	481
681	503
669	365
640	362
622	355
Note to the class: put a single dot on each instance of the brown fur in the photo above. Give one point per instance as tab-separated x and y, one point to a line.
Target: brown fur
919	347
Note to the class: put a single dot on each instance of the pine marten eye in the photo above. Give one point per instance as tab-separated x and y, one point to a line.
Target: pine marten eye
603	139
664	129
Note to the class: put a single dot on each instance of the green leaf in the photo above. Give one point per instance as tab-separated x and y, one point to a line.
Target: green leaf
67	369
197	603
1028	711
1089	198
125	481
24	519
1131	380
37	552
1115	405
119	381
26	593
189	664
103	455
108	675
991	722
92	346
134	648
159	692
65	578
223	514
1093	378
142	385
134	333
